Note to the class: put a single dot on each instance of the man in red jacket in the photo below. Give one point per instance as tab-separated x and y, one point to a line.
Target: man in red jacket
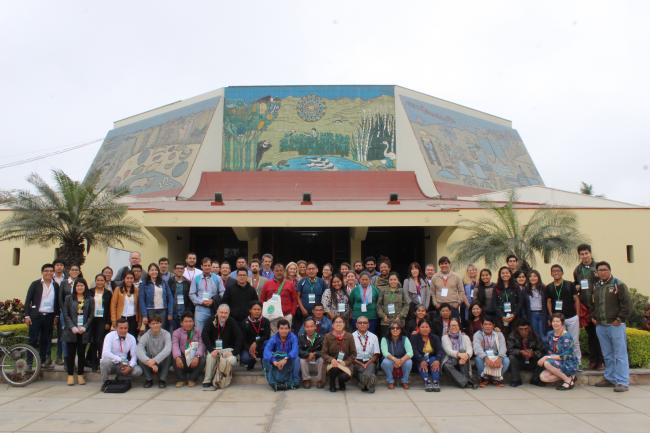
286	290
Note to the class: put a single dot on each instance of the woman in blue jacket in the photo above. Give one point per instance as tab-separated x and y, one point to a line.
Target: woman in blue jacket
155	297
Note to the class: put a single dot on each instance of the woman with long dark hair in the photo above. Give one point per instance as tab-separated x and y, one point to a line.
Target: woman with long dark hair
335	299
78	313
506	300
485	292
100	324
535	300
155	297
124	303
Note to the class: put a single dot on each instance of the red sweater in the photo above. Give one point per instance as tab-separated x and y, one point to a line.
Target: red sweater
288	297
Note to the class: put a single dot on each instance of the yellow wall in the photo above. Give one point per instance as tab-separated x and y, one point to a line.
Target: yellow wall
609	231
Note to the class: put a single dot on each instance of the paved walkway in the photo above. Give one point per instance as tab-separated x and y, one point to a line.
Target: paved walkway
54	407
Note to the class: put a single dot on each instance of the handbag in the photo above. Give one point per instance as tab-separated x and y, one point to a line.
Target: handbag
116	386
272	309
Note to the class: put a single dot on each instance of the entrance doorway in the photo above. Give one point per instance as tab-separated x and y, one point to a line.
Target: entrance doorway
402	245
218	243
321	245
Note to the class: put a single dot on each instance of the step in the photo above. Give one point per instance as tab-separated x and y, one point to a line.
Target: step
638	376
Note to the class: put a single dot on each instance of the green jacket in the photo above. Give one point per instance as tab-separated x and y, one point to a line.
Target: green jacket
611	301
582	272
398	298
356	301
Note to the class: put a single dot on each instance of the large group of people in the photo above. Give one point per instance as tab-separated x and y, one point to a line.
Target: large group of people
307	327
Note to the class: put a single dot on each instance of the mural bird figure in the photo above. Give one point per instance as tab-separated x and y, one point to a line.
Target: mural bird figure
262	147
390	156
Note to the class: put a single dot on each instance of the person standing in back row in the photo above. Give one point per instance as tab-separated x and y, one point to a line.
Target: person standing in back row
447	288
585	278
41	308
610	309
562	297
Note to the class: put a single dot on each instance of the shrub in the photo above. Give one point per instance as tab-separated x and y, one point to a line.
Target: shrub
638	347
11	312
639	303
20	330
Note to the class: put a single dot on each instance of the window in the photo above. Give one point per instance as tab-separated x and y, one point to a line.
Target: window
630	253
16	257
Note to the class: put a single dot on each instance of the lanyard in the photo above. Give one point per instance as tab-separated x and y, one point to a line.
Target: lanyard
283	346
257	329
121	348
219	329
558	292
189	339
311	285
280	288
418	286
505	293
193	274
488	340
312	340
364	294
363	345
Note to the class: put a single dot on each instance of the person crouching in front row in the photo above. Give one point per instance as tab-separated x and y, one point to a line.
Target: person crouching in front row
119	353
223	340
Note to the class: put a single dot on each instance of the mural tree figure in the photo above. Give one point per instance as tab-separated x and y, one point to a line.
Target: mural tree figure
243	124
374	137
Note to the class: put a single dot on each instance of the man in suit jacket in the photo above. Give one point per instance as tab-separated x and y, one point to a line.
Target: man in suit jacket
41	309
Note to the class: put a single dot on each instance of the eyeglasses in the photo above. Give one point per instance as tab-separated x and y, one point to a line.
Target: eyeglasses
395	329
363	323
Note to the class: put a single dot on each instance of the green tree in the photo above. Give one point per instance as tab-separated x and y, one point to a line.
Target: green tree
552	233
586	188
71	214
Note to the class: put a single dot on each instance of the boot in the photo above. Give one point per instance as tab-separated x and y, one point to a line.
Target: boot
332	383
81	380
70	380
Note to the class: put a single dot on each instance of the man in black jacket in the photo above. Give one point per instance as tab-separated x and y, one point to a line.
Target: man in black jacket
223	340
180	287
310	344
524	350
42	310
238	295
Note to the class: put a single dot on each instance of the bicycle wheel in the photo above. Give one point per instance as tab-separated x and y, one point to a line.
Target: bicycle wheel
21	365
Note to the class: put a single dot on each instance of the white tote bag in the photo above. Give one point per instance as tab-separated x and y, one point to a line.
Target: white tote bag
272	309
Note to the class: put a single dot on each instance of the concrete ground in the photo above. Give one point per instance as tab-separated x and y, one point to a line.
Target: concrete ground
49	406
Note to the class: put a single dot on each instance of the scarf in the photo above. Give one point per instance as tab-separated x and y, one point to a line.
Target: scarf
455	341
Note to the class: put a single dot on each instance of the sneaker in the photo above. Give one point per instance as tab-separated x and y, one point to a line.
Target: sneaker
428	386
621	388
191	384
515	383
604	383
436	386
59	361
162	384
148	384
371	389
207	387
104	385
180	384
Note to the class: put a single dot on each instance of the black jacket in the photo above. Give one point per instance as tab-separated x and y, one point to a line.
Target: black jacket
417	344
188	304
106	304
70	318
230	334
239	299
250	334
515	344
413	323
33	298
510	294
305	347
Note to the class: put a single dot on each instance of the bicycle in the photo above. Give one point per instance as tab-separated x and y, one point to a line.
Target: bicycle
20	363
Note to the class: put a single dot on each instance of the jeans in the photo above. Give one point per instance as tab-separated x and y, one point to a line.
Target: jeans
430	375
480	365
201	316
387	366
289	375
614	346
572	325
186	373
459	373
538	323
163	370
40	333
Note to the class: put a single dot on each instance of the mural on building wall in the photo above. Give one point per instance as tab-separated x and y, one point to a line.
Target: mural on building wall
463	149
313	128
157	153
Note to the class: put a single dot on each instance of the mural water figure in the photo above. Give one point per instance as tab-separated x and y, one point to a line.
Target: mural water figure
153	155
353	123
469	150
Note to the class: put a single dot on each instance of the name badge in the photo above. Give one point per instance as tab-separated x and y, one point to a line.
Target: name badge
507	307
340	357
258	338
218	344
419	299
584	284
99	311
426	356
558	305
275	297
180	300
391	308
364	308
205	296
80	320
123	359
341	307
312	298
47	304
365	357
489	353
444	291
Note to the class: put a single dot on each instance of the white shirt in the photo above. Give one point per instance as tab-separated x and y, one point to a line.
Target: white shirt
158	298
47	298
191	273
129	306
116	349
369	340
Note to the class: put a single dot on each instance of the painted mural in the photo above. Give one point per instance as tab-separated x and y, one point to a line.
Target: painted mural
467	150
309	128
155	154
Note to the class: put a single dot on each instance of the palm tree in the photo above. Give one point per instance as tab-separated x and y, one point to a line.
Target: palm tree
75	215
586	188
553	233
